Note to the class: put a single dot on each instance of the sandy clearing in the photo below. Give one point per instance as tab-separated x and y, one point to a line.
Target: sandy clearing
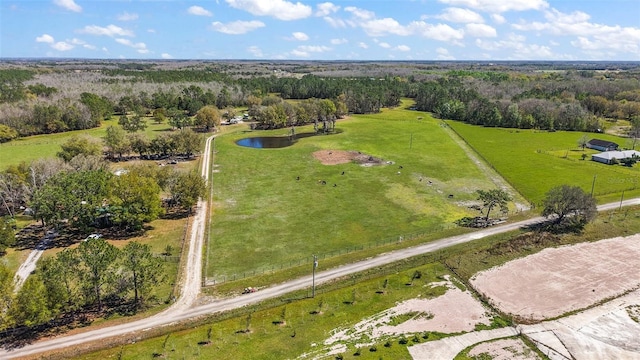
454	311
505	349
560	280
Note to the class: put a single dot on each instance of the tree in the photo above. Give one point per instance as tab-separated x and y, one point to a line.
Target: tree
133	123
160	115
77	145
582	142
208	117
100	107
6	292
97	257
134	200
187	142
569	203
186	188
30	307
116	141
139	143
7	133
492	198
7	235
143	270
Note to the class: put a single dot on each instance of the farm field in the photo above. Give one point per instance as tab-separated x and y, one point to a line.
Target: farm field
263	215
536	161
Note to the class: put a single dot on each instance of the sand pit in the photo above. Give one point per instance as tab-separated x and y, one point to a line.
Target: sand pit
557	281
335	157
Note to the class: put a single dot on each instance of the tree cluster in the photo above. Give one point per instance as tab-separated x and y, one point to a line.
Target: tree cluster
94	276
84	195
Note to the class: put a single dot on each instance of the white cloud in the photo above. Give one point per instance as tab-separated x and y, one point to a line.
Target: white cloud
45	38
300	36
443	54
68	4
255	51
440	32
125	16
518	48
151	31
361	14
588	36
166	56
199	11
499	6
62	46
459	15
326	8
335	22
403	48
381	27
313	48
498	19
339	41
110	30
480	30
384	45
237	27
363	45
279	9
300	53
83	43
140	47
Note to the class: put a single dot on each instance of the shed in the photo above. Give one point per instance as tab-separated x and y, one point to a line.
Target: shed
602	145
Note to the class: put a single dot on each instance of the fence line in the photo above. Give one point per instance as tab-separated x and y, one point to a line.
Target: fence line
219	279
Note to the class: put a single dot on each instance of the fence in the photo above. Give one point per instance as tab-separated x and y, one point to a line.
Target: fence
307	260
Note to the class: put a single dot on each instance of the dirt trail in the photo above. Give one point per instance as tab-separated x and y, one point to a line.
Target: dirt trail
520	203
29	265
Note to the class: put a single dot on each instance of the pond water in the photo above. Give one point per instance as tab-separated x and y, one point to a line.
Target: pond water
271	142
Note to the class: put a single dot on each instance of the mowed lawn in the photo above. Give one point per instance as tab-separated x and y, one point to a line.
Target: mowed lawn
536	161
264	218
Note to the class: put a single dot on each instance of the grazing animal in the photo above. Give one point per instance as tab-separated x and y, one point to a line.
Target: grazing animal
342	173
297	177
335	185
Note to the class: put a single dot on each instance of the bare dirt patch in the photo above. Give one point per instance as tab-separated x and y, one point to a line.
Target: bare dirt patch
455	311
556	281
335	157
505	349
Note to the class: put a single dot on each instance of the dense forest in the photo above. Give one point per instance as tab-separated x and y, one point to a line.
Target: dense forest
47	98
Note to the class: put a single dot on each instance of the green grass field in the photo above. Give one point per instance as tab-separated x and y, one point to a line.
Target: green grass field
266	218
535	161
36	147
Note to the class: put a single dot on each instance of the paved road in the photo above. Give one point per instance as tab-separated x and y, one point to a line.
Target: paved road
183	309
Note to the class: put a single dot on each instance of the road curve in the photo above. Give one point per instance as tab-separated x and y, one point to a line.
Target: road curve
183	309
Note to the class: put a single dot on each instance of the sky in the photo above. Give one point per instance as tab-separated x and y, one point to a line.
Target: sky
322	30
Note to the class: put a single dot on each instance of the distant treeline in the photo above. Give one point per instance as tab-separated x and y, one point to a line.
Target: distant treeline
551	100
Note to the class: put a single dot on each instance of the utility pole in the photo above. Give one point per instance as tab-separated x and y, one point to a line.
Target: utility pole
621	198
593	184
313	279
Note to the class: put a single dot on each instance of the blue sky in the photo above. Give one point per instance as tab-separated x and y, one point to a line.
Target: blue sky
322	30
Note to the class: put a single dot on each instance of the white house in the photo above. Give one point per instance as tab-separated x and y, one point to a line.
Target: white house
608	156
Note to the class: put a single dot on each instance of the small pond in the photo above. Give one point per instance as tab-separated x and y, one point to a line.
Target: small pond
271	142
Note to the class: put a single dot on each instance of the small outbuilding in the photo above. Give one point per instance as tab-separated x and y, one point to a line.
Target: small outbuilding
602	145
608	157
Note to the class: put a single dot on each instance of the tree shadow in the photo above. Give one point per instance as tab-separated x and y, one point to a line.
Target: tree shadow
557	228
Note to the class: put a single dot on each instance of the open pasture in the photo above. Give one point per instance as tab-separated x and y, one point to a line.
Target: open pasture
46	146
263	216
536	161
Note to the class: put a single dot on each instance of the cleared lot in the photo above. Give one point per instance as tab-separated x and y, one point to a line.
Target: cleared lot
560	280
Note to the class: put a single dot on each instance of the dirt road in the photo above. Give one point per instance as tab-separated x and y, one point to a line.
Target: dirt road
183	309
29	265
